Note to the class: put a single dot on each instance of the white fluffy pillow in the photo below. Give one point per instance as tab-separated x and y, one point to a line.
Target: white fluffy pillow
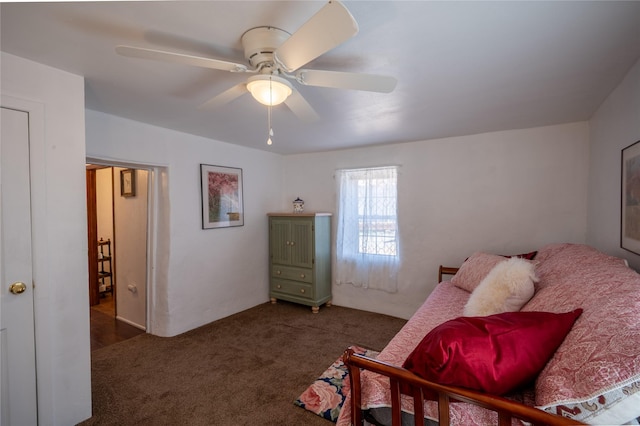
506	288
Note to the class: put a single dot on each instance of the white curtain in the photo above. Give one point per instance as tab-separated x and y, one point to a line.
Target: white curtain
368	249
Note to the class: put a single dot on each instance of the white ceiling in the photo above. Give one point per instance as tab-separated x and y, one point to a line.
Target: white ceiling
462	67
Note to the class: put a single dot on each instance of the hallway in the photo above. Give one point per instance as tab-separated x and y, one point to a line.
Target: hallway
105	328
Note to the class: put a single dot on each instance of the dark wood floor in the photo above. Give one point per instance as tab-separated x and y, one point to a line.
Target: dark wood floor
105	328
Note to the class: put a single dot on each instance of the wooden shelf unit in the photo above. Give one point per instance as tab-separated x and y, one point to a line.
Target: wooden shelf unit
105	267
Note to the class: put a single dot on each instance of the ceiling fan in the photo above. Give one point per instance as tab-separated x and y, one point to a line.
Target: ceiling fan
275	57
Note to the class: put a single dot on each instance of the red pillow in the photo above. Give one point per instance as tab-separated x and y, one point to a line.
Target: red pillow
495	354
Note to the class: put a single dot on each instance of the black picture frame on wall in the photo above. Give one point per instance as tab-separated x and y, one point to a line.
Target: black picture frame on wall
630	198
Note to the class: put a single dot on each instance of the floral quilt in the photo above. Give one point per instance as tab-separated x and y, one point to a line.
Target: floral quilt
327	394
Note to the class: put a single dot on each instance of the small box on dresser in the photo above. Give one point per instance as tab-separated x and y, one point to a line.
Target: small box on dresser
300	258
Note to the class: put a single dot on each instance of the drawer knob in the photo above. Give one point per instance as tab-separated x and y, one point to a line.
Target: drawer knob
278	272
302	290
278	286
301	275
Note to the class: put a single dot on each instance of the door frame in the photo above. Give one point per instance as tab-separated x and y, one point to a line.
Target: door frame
92	234
153	188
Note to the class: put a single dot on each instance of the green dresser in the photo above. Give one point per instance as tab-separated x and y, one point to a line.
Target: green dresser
300	258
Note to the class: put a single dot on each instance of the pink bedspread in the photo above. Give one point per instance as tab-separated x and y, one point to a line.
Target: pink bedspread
594	376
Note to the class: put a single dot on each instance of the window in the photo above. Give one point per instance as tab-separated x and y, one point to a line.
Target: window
367	240
374	191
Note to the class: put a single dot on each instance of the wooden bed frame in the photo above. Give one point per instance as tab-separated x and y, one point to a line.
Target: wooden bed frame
402	380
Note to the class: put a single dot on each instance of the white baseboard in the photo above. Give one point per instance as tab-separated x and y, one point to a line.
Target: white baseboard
141	327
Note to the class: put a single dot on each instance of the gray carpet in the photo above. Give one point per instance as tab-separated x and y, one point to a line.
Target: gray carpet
246	369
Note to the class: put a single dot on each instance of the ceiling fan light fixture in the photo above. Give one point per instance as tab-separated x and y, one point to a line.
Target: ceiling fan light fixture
269	89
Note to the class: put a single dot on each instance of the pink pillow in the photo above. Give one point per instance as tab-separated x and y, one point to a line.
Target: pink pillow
495	354
529	256
474	269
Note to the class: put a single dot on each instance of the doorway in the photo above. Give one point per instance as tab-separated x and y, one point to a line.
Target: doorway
117	215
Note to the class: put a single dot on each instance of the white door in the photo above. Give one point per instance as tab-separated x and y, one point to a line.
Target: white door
17	343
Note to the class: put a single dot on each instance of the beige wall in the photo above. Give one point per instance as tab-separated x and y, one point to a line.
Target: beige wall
104	203
614	126
131	251
502	192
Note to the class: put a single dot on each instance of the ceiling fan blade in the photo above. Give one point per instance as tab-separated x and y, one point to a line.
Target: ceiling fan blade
329	27
226	96
179	58
347	80
301	108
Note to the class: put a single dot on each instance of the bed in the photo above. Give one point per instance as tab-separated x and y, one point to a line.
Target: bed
593	376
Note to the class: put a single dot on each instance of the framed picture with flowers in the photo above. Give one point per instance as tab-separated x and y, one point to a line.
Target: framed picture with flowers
222	204
630	206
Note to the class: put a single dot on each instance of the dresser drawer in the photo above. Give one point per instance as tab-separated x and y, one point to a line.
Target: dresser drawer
292	288
292	273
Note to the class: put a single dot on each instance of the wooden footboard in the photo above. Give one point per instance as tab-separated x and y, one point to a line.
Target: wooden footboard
507	410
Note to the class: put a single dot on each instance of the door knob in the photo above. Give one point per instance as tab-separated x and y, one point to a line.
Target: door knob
17	288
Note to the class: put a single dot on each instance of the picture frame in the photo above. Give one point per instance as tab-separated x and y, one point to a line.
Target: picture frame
128	182
630	198
222	198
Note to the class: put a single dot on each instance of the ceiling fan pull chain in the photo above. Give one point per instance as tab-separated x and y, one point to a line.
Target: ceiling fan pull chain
269	130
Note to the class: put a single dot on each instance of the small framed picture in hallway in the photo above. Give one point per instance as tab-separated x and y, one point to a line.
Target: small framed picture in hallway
222	204
128	182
